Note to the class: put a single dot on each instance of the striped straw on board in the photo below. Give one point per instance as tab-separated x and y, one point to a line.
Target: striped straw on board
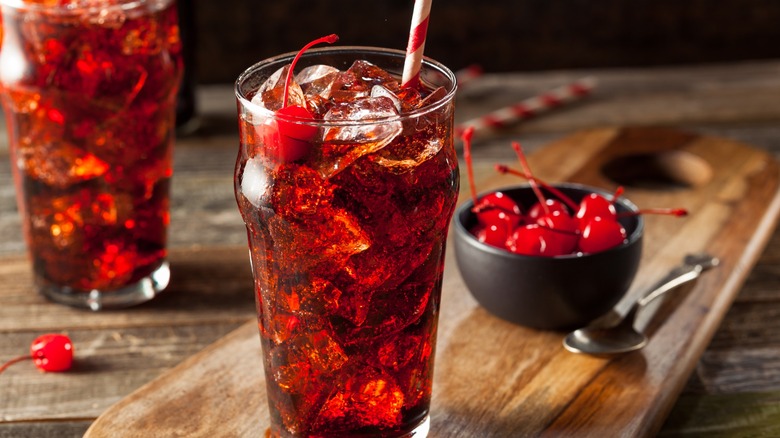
531	107
468	74
414	50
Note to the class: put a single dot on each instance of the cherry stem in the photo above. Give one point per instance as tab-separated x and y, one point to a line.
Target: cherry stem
679	212
618	191
558	230
330	39
504	169
13	361
532	181
466	136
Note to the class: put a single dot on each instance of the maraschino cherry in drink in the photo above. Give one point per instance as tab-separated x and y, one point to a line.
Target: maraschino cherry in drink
89	90
347	182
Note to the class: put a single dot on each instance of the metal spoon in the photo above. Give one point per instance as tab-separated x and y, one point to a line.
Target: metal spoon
622	337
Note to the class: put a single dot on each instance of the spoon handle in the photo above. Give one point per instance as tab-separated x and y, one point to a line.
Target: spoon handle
691	268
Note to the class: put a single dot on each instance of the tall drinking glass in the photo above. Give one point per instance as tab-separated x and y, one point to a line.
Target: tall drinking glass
89	94
347	213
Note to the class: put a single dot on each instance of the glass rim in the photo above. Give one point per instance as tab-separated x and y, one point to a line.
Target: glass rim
245	102
76	8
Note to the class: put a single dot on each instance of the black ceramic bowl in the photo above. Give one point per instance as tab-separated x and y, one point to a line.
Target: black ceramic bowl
554	293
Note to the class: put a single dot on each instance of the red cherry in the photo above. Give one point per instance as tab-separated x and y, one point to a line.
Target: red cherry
493	235
285	140
527	240
298	131
600	234
595	205
559	220
495	216
535	240
496	207
498	200
553	205
52	352
565	227
289	135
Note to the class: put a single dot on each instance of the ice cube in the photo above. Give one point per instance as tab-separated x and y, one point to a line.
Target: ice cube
308	220
321	298
433	97
59	163
301	246
408	357
347	143
367	75
295	392
254	181
292	378
356	82
398	351
380	91
23	102
406	156
317	80
93	74
422	140
271	92
279	326
321	352
101	13
368	398
70	228
410	99
393	309
56	219
314	355
115	264
141	37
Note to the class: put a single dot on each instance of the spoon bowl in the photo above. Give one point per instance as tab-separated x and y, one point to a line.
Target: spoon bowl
623	337
605	341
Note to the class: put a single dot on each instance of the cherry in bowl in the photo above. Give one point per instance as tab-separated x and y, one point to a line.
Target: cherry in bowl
552	293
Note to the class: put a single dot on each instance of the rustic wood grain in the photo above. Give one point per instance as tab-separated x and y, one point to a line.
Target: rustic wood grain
494	379
207	285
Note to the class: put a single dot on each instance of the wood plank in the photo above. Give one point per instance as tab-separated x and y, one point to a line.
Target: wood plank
497	379
59	429
109	364
208	284
741	415
189	403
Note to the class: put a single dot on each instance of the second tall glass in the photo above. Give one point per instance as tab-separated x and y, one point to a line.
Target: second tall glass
89	96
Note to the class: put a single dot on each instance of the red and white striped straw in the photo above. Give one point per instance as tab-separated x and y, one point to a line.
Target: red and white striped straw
468	74
531	107
414	50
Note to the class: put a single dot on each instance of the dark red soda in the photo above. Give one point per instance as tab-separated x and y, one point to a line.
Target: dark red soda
347	249
89	98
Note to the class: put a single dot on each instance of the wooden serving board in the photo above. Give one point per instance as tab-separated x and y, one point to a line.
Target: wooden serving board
495	379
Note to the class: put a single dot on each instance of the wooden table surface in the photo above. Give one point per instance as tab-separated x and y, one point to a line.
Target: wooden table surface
734	390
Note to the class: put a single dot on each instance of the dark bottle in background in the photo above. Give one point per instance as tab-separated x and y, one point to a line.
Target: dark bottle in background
186	103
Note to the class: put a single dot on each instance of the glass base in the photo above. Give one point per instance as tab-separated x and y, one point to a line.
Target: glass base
141	291
420	431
